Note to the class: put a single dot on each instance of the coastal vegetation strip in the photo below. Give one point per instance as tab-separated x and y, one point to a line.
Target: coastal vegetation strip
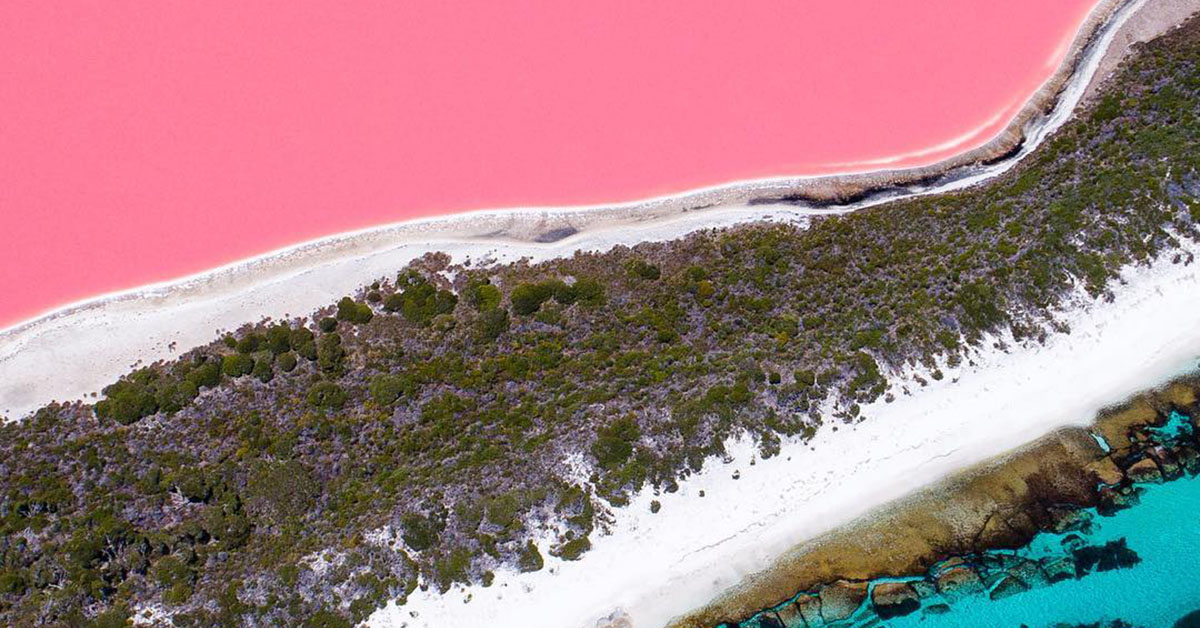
425	430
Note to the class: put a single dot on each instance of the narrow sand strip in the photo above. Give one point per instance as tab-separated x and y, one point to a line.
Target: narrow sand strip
73	352
653	567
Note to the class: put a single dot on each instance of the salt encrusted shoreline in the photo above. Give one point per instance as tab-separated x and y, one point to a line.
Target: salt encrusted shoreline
73	352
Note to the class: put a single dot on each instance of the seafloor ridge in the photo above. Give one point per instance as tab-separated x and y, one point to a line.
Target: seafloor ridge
453	421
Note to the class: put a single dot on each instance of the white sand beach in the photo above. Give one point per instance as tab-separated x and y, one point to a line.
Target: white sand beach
653	567
71	353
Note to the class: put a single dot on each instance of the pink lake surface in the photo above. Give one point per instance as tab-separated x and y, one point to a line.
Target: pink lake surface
141	141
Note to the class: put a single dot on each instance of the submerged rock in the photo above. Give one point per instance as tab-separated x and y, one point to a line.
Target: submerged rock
840	599
1189	459
1145	470
1112	500
1008	585
1112	555
770	620
894	599
1191	620
789	614
1073	542
959	580
1166	462
1030	572
1059	569
924	589
1067	519
809	608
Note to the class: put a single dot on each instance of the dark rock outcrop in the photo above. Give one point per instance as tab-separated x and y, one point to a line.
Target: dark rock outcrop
1145	471
894	599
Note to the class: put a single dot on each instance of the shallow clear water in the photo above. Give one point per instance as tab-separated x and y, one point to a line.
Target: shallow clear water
1164	530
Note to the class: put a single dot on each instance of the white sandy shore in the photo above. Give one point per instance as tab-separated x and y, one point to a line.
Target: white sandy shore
71	353
653	567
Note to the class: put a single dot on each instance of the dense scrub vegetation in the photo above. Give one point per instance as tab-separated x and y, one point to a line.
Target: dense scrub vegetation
426	430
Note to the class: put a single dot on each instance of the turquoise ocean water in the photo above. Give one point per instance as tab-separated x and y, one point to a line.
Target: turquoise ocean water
1164	587
1158	591
1164	530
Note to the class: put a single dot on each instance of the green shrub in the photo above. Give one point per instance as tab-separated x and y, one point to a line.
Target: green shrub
279	338
503	510
326	619
574	549
172	396
421	301
262	368
528	298
981	305
250	343
1108	109
351	311
530	558
452	568
493	323
237	364
192	484
299	337
117	617
483	296
589	292
386	389
12	583
614	442
421	532
205	375
330	353
327	396
308	351
642	269
169	571
127	401
327	324
286	362
281	490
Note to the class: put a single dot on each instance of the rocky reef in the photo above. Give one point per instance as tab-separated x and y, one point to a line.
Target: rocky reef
1153	438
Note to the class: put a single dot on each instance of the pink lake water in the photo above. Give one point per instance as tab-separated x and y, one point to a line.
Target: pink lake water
141	141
